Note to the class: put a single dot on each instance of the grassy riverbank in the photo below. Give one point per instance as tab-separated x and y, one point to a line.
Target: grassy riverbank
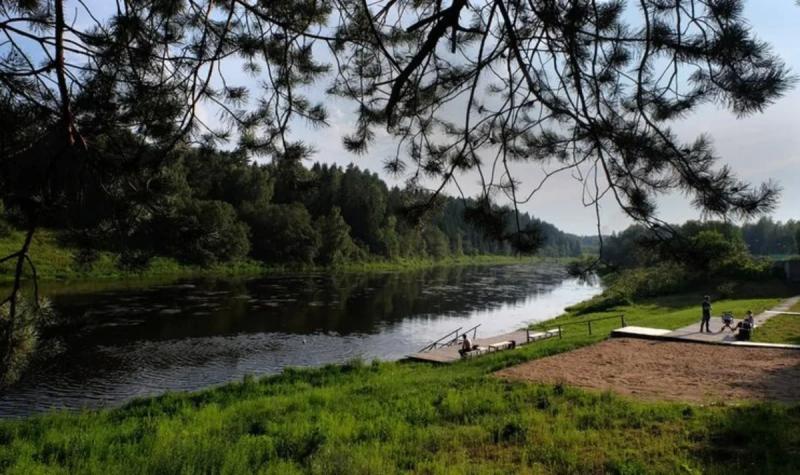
668	312
400	417
56	261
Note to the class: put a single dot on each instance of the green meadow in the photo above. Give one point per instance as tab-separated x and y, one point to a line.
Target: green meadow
401	417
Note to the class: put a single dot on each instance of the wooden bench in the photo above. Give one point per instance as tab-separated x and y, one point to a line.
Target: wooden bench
533	336
502	345
475	352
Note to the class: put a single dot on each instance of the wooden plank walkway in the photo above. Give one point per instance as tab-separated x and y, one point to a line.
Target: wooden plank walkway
449	354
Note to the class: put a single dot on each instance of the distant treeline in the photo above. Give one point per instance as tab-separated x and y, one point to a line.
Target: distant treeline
765	237
212	206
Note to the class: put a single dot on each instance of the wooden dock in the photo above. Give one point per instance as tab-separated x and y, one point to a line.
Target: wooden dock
449	354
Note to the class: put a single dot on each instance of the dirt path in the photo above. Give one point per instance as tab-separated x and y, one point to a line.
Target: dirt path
663	370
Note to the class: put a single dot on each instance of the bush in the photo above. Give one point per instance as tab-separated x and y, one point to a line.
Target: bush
726	290
133	260
436	243
652	281
204	232
336	246
607	300
85	258
718	255
282	233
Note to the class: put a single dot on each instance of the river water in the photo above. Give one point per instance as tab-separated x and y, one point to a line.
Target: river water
192	334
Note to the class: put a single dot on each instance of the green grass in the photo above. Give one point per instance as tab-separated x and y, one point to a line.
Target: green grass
412	417
55	261
779	329
668	312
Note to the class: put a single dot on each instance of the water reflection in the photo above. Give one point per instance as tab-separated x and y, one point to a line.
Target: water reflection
193	334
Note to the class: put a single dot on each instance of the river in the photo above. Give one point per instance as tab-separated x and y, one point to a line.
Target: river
192	334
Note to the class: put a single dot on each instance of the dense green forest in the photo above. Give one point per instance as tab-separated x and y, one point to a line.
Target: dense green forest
214	206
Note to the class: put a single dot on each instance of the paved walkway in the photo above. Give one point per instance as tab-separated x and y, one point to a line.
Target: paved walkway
692	332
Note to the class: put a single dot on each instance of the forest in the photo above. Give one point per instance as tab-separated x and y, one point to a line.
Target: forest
209	207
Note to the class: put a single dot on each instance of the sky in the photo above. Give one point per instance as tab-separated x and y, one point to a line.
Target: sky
759	147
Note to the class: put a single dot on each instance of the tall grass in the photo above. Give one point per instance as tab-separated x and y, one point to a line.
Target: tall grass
412	417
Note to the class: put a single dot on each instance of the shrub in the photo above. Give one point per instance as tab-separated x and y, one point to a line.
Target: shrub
134	260
85	258
436	243
204	232
726	290
607	300
652	281
336	246
282	233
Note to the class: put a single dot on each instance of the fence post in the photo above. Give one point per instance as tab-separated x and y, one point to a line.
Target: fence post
590	326
622	317
559	332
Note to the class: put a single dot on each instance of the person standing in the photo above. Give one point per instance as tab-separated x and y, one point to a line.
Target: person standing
706	314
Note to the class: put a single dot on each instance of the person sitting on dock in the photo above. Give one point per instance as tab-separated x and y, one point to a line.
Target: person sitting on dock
727	322
466	345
